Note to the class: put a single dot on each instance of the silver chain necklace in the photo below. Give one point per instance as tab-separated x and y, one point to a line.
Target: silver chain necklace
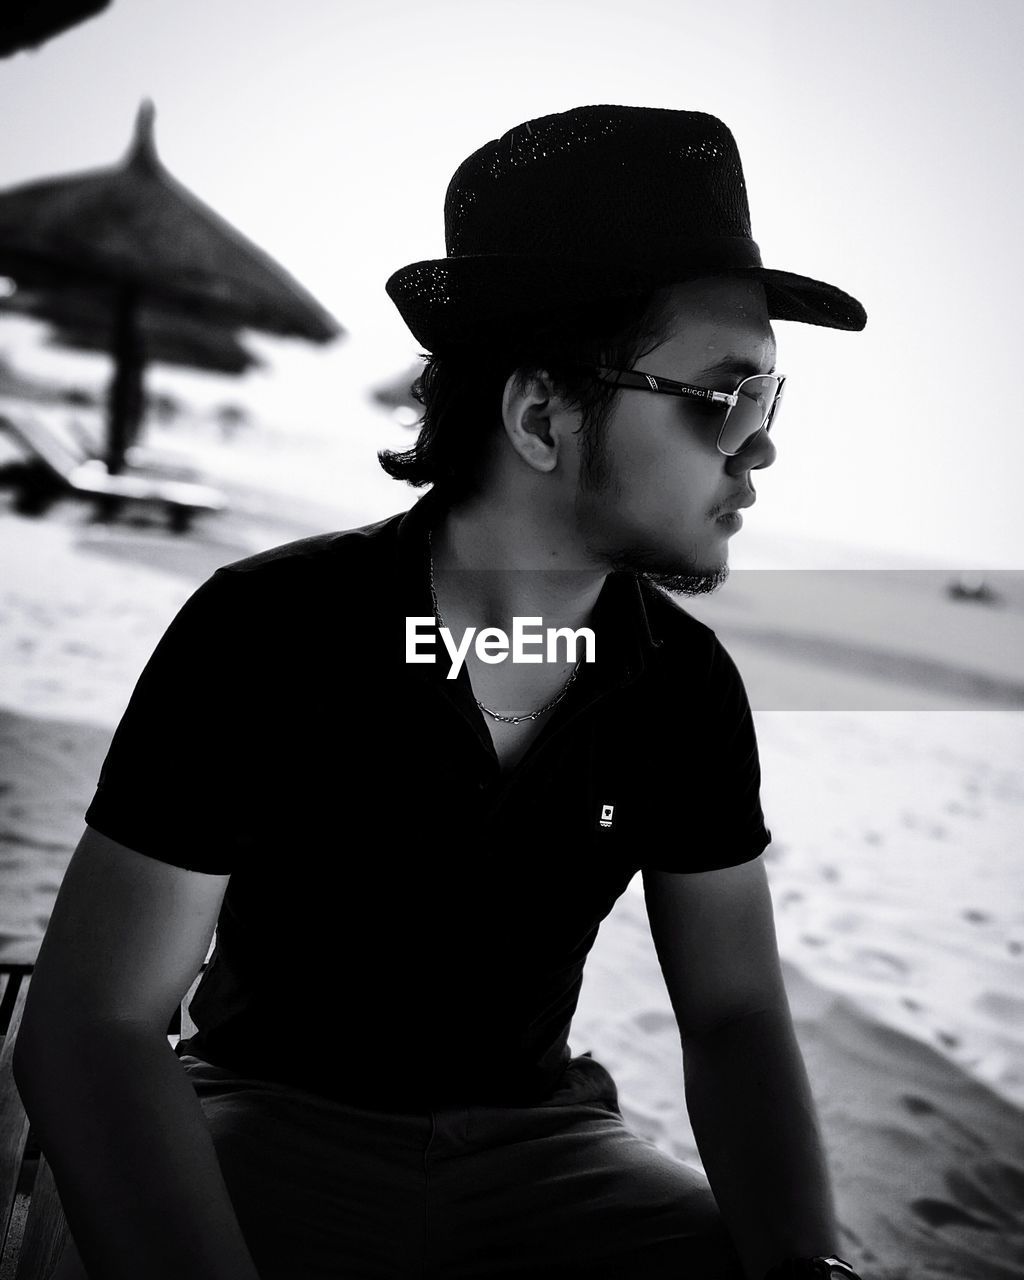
496	715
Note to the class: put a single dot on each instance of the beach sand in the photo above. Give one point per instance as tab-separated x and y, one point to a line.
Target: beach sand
895	870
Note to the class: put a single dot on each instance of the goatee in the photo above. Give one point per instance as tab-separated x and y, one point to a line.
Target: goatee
686	584
678	578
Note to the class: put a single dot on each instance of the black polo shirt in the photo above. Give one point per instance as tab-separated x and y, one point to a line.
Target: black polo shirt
405	925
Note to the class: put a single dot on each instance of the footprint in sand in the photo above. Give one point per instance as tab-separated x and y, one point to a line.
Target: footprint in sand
966	1139
970	1188
984	1194
78	649
42	846
1003	1180
881	964
850	1235
973	916
942	1213
1002	1006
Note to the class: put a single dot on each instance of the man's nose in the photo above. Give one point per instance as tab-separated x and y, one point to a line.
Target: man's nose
760	453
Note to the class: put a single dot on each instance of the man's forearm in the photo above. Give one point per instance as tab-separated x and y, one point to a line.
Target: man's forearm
131	1155
754	1120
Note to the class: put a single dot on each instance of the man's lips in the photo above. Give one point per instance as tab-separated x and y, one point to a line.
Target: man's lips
737	504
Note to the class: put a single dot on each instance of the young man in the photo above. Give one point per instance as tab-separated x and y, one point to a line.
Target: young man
407	860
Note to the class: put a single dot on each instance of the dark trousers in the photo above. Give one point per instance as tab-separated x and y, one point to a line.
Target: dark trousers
558	1189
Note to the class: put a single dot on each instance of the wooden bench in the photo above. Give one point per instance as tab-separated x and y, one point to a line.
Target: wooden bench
32	1226
58	464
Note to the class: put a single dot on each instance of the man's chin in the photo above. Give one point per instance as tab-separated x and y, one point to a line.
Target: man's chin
689	578
687	584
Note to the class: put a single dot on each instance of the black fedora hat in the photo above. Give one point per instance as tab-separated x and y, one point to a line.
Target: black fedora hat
593	202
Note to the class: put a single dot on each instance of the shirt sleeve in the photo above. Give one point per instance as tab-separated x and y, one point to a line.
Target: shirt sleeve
170	786
712	754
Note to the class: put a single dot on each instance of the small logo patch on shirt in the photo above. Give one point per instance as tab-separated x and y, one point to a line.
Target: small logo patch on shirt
607	815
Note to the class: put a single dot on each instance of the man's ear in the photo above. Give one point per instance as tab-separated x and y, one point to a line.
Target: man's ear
527	408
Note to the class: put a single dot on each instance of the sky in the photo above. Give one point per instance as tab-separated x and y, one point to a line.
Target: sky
880	144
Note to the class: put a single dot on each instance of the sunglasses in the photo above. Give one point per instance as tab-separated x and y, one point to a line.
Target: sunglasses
750	409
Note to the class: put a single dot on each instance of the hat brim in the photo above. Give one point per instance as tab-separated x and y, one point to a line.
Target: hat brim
449	301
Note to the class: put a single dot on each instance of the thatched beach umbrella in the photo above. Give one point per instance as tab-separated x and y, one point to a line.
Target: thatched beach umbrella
132	236
80	323
25	24
180	343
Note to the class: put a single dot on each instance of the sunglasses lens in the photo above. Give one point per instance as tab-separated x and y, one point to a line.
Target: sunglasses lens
757	399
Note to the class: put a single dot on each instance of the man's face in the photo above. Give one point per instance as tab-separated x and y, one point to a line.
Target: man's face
657	496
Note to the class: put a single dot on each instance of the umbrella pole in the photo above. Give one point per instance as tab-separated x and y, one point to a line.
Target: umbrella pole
125	402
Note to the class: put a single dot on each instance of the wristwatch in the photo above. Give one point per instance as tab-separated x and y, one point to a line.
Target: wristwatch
830	1268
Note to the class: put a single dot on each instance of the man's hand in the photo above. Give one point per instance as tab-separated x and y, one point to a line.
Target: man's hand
746	1087
115	1113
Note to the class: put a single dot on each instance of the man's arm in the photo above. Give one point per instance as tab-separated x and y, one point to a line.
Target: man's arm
746	1087
115	1112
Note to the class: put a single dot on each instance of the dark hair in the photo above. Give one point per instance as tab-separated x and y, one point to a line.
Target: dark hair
461	387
